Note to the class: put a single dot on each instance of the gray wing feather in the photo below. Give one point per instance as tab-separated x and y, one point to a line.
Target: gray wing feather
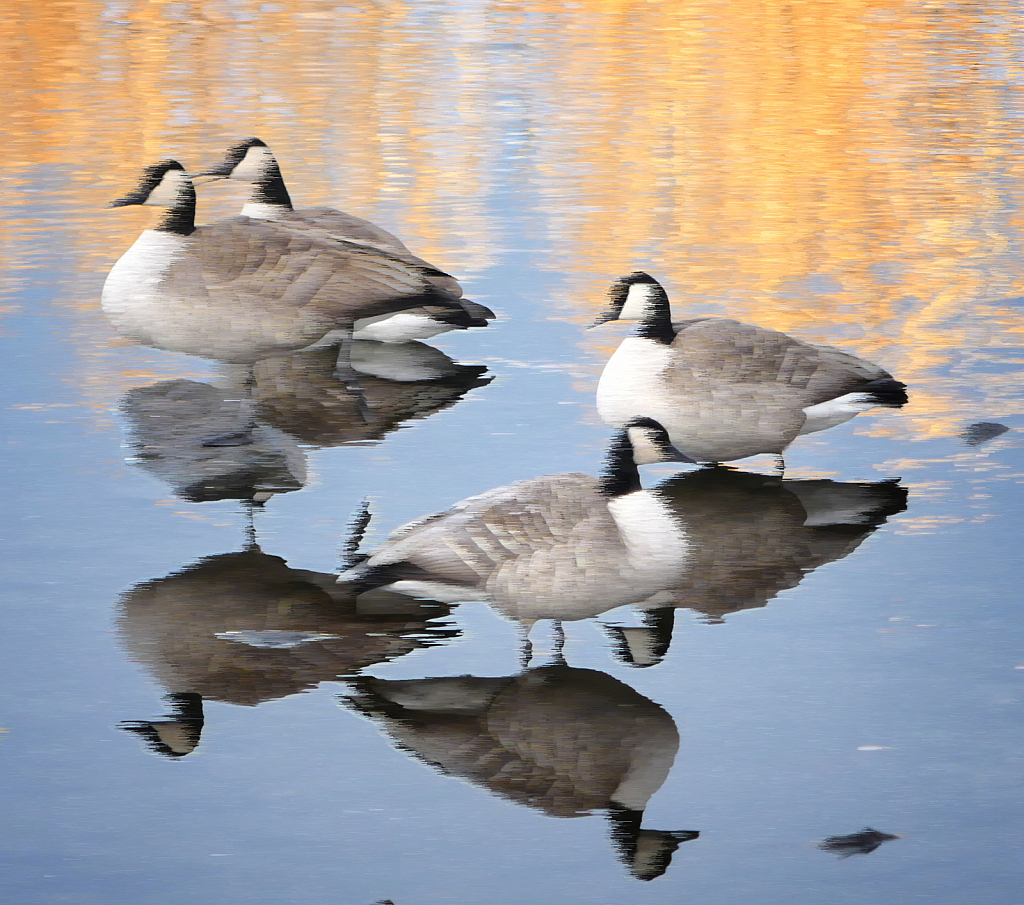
724	351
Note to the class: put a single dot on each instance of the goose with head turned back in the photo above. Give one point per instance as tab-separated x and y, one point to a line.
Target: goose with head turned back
725	390
559	547
253	162
241	290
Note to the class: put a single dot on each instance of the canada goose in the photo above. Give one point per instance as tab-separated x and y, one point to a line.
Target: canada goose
565	741
240	290
726	390
563	546
245	628
751	536
207	445
253	162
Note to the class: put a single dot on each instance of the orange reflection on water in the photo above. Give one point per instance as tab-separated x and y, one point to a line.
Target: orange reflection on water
844	171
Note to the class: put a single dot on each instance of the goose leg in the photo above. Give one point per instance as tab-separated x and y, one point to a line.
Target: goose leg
249	507
348	375
525	652
559	644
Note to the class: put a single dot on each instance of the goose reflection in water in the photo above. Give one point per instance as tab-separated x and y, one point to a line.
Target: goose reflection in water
751	537
206	443
302	395
565	741
564	546
240	441
244	628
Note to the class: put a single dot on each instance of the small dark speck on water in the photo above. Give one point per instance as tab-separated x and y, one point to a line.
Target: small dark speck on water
862	843
981	432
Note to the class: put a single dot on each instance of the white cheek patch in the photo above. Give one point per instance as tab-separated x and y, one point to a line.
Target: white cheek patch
638	302
254	165
168	193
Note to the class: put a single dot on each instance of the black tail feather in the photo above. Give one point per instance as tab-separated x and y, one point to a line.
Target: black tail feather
886	391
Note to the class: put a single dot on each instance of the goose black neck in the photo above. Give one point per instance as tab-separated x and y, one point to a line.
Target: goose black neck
624	824
181	218
271	189
620	475
657	322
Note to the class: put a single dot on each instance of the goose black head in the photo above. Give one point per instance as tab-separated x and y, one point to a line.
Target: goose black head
628	295
231	166
253	162
641	442
167	185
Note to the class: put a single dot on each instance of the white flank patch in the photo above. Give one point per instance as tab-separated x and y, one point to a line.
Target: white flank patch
400	327
836	411
439	591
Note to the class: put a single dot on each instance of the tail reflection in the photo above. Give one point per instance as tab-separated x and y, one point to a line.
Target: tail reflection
562	740
301	394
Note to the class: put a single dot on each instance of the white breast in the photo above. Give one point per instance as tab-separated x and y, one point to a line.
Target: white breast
131	294
633	383
655	541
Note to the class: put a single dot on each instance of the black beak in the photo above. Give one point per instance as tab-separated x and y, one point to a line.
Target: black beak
220	171
132	198
604	318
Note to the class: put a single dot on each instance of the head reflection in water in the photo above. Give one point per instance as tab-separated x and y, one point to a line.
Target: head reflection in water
564	741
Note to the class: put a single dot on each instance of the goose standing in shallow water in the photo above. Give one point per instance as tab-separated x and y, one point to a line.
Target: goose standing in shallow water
253	162
241	290
726	390
562	546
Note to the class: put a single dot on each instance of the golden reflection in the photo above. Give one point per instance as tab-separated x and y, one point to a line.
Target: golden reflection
845	172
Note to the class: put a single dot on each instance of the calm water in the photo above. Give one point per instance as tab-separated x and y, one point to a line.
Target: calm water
846	173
